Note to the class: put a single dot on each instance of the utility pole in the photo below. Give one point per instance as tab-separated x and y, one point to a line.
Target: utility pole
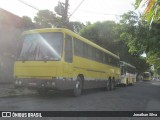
65	15
62	10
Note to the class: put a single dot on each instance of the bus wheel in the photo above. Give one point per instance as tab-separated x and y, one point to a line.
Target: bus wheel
111	84
107	88
78	87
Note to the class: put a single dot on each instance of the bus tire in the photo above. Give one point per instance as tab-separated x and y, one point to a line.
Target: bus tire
107	87
114	84
111	84
77	90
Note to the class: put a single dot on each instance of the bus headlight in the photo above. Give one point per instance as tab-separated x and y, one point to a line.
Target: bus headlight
16	82
53	83
20	82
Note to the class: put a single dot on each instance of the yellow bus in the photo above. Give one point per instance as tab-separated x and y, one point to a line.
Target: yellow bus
147	76
59	59
128	73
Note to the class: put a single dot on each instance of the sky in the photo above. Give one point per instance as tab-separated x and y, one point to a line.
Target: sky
89	10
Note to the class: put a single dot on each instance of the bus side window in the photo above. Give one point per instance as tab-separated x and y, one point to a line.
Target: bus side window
97	55
100	57
89	52
78	47
106	59
93	53
85	50
109	60
103	57
122	69
68	49
112	60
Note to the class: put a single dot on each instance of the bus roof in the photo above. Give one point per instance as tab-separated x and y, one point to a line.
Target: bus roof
127	64
70	33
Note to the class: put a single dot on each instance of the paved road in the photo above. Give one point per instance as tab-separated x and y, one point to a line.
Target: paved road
143	96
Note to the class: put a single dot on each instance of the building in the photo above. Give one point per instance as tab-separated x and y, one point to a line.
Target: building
11	26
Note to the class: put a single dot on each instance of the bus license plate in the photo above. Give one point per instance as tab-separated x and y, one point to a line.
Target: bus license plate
33	84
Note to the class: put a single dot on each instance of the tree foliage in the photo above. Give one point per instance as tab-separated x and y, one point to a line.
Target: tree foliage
47	19
152	9
140	38
100	33
135	33
75	26
152	15
27	23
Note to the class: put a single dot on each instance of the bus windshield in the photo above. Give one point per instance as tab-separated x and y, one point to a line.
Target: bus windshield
127	69
42	46
146	75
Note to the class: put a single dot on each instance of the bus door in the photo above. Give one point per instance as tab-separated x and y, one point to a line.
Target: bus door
68	57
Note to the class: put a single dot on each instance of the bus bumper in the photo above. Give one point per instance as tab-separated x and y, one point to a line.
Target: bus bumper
50	84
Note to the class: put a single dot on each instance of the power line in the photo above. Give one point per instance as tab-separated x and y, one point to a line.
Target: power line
33	7
72	12
28	5
76	19
99	13
76	9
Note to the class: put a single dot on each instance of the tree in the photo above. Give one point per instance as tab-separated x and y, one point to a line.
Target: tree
75	26
46	18
101	33
139	38
152	15
135	33
27	23
152	10
154	46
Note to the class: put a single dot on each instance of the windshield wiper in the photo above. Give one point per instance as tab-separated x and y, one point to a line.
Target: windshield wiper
22	58
47	58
